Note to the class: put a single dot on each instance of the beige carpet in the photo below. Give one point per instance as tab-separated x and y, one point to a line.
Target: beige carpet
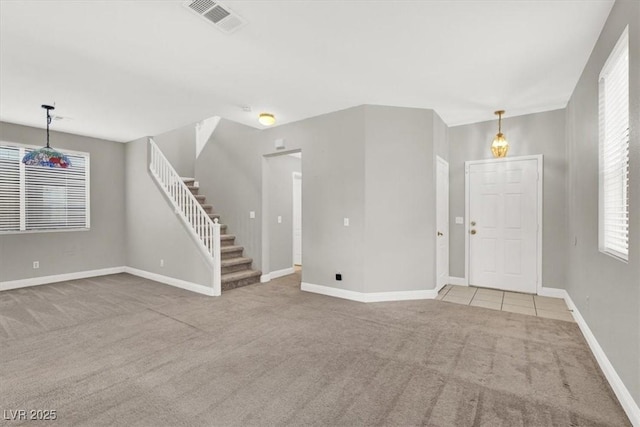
120	350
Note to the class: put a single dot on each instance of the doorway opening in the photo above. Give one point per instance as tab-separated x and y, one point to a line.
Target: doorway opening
282	215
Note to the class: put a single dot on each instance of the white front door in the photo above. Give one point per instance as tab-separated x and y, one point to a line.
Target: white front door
503	224
442	222
297	218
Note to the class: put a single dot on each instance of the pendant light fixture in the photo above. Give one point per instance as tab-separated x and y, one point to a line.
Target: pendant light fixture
266	119
47	156
500	146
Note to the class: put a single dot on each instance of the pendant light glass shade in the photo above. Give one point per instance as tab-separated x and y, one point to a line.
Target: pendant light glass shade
47	156
500	146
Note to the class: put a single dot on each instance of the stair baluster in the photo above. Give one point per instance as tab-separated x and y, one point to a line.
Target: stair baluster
197	220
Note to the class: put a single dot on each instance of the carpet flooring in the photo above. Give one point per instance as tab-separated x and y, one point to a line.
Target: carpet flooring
125	351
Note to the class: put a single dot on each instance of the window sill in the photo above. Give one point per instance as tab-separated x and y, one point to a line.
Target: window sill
55	230
615	255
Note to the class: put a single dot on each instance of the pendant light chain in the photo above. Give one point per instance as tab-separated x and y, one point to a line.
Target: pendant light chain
499	146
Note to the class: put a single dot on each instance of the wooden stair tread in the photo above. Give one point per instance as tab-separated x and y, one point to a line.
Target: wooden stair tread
231	248
227	236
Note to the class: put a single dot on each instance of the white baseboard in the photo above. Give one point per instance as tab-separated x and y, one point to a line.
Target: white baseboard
458	281
275	274
283	272
369	296
553	293
622	393
44	280
183	284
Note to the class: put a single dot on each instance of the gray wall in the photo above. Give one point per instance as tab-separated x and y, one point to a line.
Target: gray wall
153	230
606	291
230	171
373	165
440	140
332	189
280	171
399	199
179	147
542	133
103	246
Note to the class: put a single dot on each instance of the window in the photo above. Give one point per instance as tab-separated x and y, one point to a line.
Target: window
613	215
34	198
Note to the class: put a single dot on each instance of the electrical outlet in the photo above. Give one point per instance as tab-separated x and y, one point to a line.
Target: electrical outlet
161	263
279	219
338	276
36	264
346	222
459	220
252	214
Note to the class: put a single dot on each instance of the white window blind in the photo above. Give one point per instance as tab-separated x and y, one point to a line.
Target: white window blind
36	198
614	151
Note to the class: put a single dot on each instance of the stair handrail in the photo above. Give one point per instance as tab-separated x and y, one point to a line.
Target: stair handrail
196	219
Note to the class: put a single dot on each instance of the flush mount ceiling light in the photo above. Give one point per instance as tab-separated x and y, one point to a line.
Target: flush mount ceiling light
46	156
266	119
500	146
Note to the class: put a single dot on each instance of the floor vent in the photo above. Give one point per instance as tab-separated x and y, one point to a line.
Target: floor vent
217	14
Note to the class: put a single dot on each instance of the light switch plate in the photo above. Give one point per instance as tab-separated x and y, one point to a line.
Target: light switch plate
252	214
346	222
459	220
279	219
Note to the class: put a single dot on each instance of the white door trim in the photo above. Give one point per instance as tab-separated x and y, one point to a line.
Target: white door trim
266	256
539	158
441	161
294	176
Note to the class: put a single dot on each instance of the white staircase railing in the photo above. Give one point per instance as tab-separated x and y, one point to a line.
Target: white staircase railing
196	219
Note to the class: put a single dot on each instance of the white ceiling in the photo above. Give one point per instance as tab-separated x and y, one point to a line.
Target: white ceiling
124	69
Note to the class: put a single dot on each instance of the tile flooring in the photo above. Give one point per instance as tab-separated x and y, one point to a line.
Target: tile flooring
534	305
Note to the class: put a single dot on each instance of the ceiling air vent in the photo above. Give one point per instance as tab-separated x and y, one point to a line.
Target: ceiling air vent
217	14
